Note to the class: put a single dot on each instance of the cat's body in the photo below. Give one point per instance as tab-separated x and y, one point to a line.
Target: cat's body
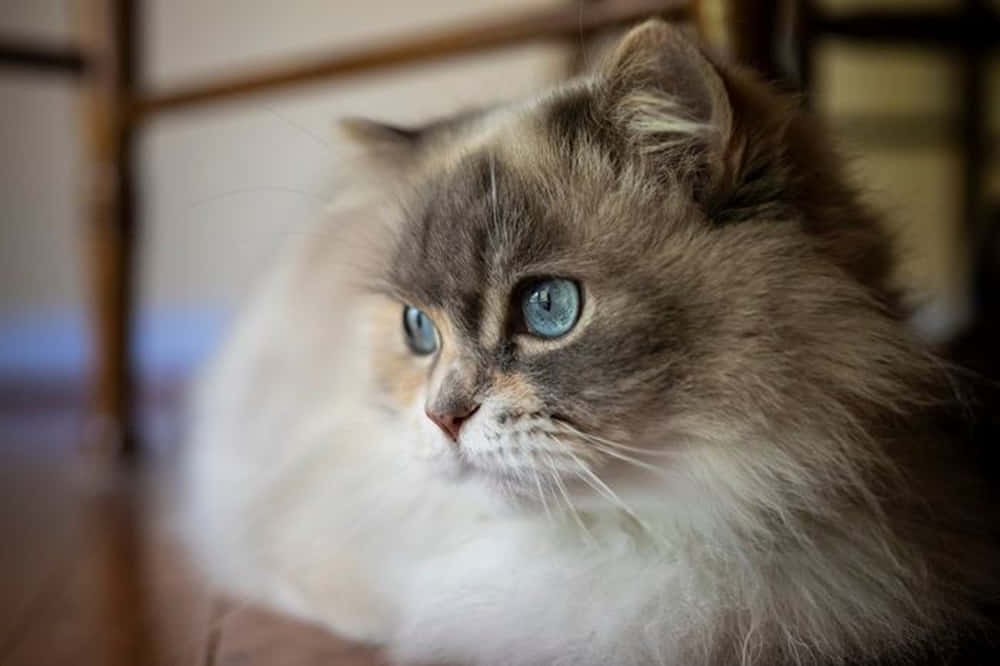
731	454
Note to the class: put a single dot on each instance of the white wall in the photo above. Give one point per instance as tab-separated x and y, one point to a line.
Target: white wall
222	186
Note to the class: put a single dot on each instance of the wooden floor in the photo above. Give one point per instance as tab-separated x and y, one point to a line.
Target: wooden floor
86	577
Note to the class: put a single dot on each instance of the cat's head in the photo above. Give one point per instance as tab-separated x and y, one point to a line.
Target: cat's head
656	265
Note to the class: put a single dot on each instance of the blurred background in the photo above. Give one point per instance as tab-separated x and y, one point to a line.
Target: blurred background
155	155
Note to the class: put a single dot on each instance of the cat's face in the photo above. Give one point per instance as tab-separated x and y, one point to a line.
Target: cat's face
534	329
606	278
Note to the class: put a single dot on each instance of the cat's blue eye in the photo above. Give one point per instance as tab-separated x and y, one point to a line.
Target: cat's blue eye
550	307
419	329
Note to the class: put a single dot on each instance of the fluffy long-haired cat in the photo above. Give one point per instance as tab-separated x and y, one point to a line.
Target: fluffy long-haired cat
610	376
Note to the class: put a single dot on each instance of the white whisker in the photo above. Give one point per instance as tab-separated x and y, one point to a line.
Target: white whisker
541	494
634	449
627	458
569	503
613	444
605	490
597	484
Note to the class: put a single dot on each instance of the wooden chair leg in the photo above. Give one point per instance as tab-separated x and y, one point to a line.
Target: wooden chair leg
108	36
753	29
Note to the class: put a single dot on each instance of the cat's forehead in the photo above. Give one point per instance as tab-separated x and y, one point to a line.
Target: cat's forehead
551	192
482	224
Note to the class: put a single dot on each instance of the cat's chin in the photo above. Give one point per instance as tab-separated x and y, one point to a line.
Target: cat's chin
516	488
450	467
506	484
503	489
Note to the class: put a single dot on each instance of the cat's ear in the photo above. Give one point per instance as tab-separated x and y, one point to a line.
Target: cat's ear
381	140
670	99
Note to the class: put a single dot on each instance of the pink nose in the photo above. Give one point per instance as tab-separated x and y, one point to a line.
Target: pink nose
450	420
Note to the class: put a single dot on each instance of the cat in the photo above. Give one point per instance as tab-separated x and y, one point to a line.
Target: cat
614	375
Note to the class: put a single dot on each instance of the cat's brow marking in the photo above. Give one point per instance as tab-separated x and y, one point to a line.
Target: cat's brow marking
491	321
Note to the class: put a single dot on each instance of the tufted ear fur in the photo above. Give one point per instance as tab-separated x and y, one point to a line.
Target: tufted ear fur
744	152
671	101
395	148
